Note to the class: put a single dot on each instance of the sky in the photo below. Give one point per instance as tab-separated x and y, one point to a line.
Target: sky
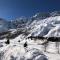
11	9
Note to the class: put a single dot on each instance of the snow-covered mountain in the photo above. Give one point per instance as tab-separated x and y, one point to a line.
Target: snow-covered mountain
41	24
3	25
18	22
45	27
15	36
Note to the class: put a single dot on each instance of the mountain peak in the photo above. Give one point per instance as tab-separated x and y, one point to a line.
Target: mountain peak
55	13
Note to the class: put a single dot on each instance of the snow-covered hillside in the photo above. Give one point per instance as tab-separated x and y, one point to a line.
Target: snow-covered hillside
47	27
12	40
41	24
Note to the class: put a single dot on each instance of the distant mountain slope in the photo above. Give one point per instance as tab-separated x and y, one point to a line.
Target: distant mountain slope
3	25
41	24
45	27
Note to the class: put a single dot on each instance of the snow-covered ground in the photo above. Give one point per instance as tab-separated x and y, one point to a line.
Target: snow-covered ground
34	51
15	50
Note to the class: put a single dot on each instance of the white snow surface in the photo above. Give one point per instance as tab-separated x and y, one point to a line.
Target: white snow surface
48	27
34	51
